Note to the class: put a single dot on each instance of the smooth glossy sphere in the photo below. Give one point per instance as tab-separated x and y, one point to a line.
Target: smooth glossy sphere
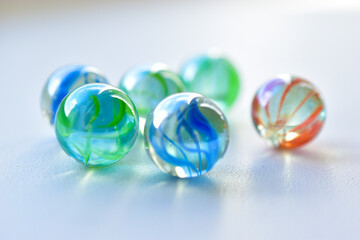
63	81
288	111
148	85
214	77
96	124
186	134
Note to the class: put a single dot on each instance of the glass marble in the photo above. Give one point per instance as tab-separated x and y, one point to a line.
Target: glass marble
63	81
149	84
288	111
186	134
96	124
213	76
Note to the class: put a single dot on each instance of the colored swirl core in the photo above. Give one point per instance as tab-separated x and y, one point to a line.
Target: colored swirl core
63	81
96	124
288	111
186	135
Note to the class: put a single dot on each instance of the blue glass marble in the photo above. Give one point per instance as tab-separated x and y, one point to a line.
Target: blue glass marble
63	81
186	134
96	124
147	85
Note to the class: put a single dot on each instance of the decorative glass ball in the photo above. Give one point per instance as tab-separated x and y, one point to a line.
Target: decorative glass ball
213	76
148	85
63	81
288	111
186	134
96	124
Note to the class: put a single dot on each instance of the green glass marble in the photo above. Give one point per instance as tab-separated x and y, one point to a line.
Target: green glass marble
213	76
147	85
96	124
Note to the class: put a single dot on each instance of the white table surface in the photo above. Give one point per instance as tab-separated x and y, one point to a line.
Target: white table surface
255	192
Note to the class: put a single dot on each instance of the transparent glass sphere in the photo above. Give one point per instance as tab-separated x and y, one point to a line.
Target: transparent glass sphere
213	76
186	134
288	111
96	124
147	85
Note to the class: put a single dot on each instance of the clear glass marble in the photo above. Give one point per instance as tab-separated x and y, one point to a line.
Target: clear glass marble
63	81
288	111
186	134
96	124
213	76
149	84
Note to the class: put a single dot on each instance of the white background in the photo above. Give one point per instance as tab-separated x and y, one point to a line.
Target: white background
255	192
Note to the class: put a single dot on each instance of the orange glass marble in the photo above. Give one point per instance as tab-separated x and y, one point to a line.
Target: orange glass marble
288	111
